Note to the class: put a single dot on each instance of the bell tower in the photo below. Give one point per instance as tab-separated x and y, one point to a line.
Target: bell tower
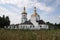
23	16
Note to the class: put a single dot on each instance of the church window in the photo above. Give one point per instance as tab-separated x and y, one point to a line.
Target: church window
10	26
14	26
30	26
40	26
21	26
17	26
33	26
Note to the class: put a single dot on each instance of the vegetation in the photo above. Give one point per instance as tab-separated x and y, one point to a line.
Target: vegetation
53	26
7	34
4	21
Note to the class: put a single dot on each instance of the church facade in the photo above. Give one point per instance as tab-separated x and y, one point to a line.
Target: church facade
35	23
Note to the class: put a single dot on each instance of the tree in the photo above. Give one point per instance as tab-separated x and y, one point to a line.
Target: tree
51	25
7	21
0	21
4	21
56	25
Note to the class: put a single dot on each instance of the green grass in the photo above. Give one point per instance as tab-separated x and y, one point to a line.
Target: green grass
6	34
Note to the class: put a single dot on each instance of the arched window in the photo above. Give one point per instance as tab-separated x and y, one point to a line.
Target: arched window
40	26
21	26
10	26
14	26
33	26
17	26
30	26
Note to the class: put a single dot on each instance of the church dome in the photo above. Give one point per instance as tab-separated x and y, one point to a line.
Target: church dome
24	11
34	14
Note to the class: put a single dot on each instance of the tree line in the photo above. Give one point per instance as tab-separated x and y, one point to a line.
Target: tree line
4	21
53	26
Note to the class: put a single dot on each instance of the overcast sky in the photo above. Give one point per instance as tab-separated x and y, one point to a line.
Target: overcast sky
49	10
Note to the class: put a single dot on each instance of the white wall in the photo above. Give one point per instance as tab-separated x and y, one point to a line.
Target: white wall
44	26
30	27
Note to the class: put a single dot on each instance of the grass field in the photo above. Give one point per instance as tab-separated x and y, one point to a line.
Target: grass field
6	34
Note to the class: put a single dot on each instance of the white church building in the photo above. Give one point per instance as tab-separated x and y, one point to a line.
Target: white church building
35	23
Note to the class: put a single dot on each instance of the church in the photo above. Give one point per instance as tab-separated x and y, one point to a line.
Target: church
35	23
